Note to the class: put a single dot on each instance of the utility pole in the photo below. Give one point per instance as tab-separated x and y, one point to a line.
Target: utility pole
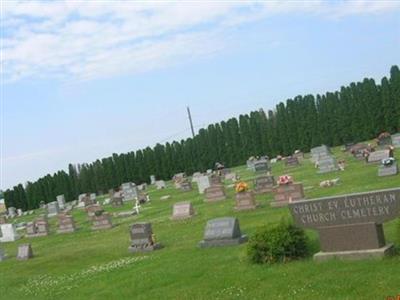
190	120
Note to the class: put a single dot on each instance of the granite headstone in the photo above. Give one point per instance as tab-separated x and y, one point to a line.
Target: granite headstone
222	232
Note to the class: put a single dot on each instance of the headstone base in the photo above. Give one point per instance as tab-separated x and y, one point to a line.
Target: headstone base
100	227
356	254
37	235
178	218
66	230
222	243
279	203
148	248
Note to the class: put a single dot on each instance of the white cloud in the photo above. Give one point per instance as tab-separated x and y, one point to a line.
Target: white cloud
86	40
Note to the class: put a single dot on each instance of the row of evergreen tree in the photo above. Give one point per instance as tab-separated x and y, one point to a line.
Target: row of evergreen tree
357	112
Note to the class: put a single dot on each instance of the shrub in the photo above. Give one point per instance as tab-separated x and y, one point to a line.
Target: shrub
277	243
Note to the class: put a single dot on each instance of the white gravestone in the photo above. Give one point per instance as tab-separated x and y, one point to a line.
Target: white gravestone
8	233
61	201
203	182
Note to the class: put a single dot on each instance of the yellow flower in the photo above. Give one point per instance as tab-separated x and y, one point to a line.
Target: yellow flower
241	187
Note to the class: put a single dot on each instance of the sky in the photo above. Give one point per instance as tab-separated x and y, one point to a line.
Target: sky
81	80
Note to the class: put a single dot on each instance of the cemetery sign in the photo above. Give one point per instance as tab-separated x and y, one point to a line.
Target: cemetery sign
350	226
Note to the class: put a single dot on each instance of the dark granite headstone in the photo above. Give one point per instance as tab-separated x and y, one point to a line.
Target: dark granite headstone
285	193
358	151
292	161
245	201
261	166
215	193
24	252
264	184
222	232
186	186
349	226
142	238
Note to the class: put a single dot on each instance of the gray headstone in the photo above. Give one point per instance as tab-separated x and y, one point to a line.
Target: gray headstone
61	201
377	156
388	170
24	252
264	184
318	152
203	182
2	255
185	186
182	210
142	238
12	211
152	179
101	220
261	166
349	226
8	233
222	232
160	184
130	191
327	164
292	161
396	140
52	209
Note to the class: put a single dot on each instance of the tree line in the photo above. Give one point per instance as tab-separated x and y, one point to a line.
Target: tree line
357	112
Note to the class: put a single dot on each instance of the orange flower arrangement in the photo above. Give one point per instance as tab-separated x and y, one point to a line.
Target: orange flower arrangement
241	187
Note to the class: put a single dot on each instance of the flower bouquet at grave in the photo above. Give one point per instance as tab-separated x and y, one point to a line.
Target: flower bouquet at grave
241	187
285	179
387	162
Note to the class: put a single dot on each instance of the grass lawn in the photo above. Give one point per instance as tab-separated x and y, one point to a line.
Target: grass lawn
97	265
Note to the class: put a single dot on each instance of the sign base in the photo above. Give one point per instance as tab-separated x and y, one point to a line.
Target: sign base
356	254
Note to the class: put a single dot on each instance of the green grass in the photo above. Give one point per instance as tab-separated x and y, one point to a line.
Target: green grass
97	265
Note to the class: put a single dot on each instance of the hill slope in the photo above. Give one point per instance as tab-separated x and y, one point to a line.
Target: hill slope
97	265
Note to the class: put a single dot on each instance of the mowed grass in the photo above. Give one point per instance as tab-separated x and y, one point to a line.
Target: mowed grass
97	265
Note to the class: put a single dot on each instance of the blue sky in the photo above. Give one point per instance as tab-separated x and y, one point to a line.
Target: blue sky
82	81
